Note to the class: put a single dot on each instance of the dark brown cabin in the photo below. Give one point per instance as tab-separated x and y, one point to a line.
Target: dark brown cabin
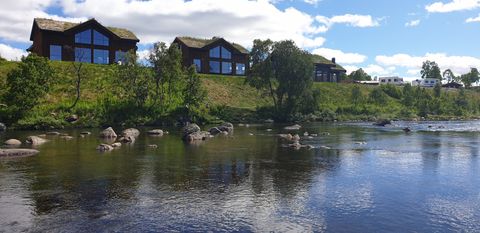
213	56
89	41
327	70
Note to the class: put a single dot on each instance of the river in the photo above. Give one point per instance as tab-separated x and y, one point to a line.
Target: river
358	178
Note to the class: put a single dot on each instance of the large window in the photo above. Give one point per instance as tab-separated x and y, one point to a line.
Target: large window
100	56
83	55
120	56
198	65
226	54
99	39
215	52
84	37
240	69
55	52
226	67
214	67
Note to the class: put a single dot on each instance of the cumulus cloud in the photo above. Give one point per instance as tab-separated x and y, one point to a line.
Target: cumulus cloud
376	70
340	56
10	53
353	20
473	19
454	5
412	23
458	64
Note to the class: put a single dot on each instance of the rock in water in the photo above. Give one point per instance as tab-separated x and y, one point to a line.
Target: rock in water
108	133
226	127
85	133
127	139
104	147
17	152
189	129
293	127
131	132
12	142
66	137
116	145
2	127
155	132
153	146
34	140
192	132
214	131
53	133
407	130
382	123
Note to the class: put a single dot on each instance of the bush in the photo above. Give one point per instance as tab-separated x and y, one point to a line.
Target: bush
392	91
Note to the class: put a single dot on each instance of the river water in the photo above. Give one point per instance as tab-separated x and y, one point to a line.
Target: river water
358	178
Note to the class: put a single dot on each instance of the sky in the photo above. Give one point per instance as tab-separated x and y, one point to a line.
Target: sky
384	37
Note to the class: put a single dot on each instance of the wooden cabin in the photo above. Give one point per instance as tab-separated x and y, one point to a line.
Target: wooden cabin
89	41
327	70
213	56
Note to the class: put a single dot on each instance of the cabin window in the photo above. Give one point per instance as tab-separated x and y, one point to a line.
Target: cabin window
84	37
226	67
100	56
214	67
241	69
120	56
215	52
55	52
198	65
83	55
100	39
226	54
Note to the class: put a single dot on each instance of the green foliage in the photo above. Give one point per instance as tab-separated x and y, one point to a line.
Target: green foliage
359	75
193	94
377	96
408	95
449	76
28	83
437	90
430	69
392	91
285	72
356	95
134	80
469	78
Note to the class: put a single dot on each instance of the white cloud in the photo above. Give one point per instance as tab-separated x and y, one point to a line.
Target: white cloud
454	5
351	68
350	19
10	53
412	23
376	70
340	56
415	72
458	64
313	2
473	19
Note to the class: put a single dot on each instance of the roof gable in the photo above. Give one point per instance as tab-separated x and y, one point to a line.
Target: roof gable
198	43
62	26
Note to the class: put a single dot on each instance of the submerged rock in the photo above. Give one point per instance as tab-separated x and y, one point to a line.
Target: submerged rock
214	131
131	132
197	136
34	140
226	127
116	145
153	146
85	133
12	142
191	128
104	147
127	139
17	152
293	127
108	133
383	122
407	130
66	137
53	133
155	132
3	127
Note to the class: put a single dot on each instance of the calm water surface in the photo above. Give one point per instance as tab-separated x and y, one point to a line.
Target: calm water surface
369	180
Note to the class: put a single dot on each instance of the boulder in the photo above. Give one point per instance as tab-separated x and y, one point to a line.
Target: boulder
17	152
108	133
116	145
190	128
12	142
196	136
85	133
287	137
293	127
127	139
104	147
383	123
214	131
226	127
34	140
306	134
3	127
131	132
296	138
53	133
66	137
155	132
72	118
407	130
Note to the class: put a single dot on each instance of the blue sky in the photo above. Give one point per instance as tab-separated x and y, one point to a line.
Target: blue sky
385	38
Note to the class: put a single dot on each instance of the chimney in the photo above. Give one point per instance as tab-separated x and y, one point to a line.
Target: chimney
333	60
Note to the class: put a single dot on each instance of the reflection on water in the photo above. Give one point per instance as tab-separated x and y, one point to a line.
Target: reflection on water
372	179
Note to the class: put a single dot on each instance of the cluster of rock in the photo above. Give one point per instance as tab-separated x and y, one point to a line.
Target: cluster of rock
127	136
294	141
225	129
193	132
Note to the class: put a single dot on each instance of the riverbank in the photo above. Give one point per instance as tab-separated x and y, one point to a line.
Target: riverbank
229	99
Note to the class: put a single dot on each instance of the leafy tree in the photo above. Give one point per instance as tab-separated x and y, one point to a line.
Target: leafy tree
134	80
408	95
285	71
469	78
193	94
430	69
448	76
28	83
359	75
378	96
